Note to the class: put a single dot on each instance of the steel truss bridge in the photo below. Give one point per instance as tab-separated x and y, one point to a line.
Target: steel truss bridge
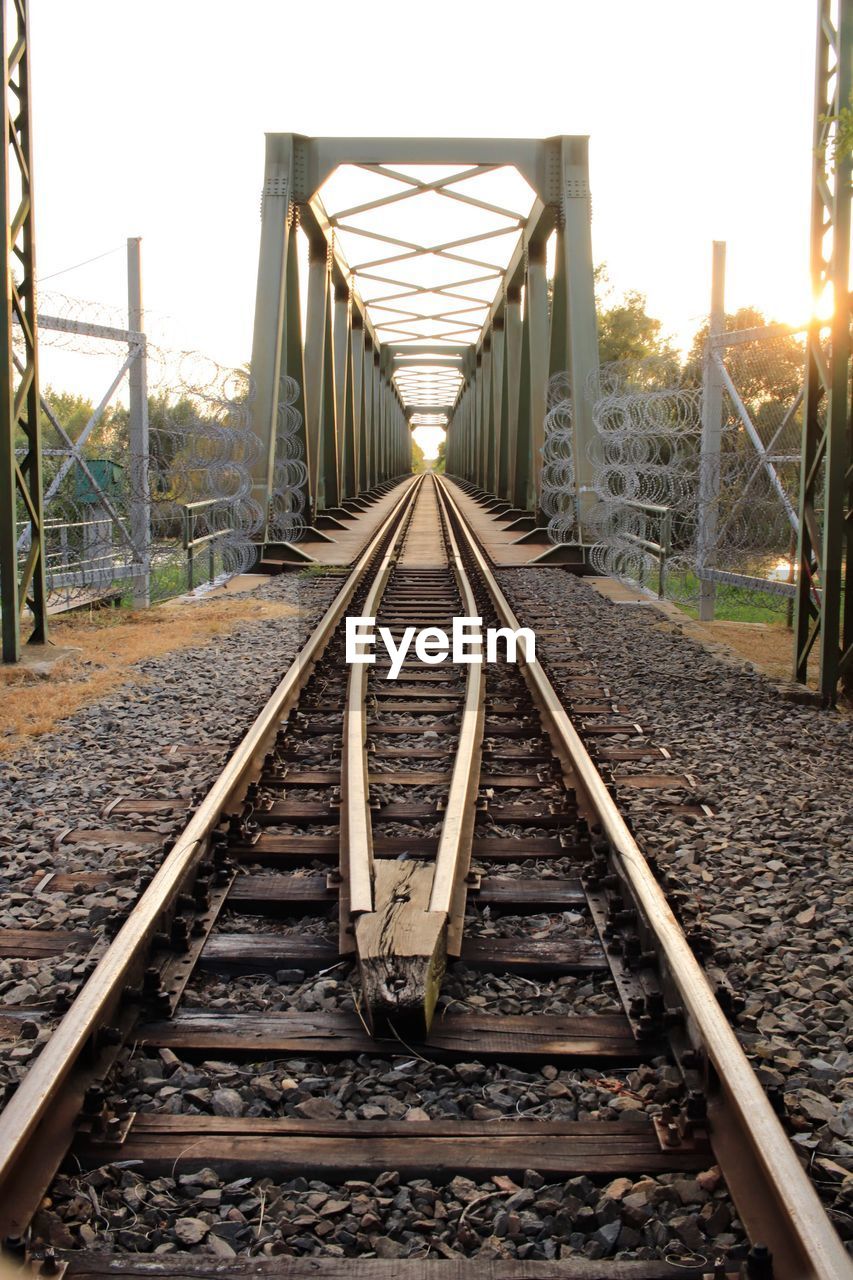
430	301
423	327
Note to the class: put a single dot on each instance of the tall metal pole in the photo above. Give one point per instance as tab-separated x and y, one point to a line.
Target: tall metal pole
20	410
536	302
712	430
512	374
825	545
137	377
271	307
315	358
576	208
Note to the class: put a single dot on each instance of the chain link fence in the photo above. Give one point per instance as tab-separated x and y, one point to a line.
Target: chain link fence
132	522
695	476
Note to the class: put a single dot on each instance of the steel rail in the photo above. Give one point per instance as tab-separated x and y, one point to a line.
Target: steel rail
356	829
95	1004
773	1194
404	923
454	847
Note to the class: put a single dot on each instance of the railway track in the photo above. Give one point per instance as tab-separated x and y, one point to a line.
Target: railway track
386	829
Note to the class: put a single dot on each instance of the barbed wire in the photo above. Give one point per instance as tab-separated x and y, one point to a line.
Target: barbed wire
726	516
195	482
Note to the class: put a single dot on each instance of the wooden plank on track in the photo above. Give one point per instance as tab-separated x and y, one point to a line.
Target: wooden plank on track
107	836
523	815
276	894
300	847
528	955
465	1036
266	952
37	944
531	847
68	881
400	777
186	1266
284	1147
508	891
280	893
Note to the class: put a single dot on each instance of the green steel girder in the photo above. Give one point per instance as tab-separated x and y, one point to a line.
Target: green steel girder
20	410
824	601
535	346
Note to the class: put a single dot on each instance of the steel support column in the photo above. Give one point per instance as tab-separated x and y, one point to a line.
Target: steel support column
523	430
315	367
356	382
268	342
488	416
292	365
824	601
498	347
575	244
20	411
512	365
536	302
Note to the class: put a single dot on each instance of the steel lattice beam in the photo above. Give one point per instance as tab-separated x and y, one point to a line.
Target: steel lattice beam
453	338
824	601
20	481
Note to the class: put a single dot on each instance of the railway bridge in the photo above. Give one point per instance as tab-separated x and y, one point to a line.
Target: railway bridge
432	901
424	326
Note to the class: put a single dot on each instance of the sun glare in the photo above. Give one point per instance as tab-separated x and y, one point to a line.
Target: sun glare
428	439
824	305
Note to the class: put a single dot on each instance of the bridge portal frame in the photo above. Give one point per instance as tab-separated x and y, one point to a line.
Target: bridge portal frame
356	428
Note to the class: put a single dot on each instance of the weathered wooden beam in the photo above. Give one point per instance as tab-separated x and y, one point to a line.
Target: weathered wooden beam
453	1036
339	1149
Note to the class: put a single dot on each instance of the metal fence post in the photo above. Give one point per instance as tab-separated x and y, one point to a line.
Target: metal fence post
137	377
712	428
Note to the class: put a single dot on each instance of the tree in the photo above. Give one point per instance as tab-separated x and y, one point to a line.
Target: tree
626	331
767	373
418	462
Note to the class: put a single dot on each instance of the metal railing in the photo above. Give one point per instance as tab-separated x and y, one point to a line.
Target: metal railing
663	547
190	512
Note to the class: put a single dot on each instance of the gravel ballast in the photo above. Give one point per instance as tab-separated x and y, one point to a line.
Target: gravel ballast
202	698
767	878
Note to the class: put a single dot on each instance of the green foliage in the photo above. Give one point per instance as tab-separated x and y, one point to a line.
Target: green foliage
441	461
767	375
626	331
842	143
418	461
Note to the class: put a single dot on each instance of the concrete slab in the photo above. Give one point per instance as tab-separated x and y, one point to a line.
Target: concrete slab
424	548
238	585
620	592
346	545
495	536
41	659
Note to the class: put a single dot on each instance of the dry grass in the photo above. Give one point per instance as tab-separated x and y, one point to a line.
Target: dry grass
104	647
768	645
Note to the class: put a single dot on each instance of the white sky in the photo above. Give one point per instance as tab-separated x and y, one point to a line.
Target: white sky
149	120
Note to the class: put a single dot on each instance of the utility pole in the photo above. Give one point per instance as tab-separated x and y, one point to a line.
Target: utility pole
712	430
20	410
137	377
